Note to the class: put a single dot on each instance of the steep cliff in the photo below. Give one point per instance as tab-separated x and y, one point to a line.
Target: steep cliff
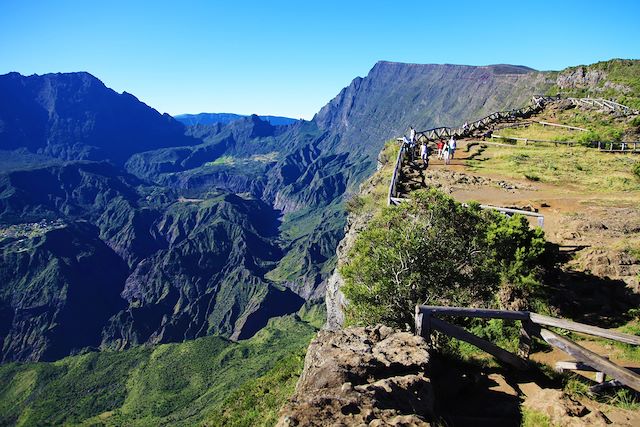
362	376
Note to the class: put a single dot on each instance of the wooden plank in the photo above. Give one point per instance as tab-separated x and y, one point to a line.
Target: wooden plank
573	365
561	126
584	355
585	329
484	345
512	211
486	313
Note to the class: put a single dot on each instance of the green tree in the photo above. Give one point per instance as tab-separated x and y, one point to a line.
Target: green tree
434	250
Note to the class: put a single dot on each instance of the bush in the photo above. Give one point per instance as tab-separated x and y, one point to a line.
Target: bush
636	169
434	250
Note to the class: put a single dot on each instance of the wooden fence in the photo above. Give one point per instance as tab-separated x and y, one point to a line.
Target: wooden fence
427	318
538	102
397	172
609	147
603	104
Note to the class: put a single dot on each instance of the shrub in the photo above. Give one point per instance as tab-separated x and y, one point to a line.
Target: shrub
434	250
636	169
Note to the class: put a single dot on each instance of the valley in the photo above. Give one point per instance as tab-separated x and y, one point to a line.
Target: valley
129	238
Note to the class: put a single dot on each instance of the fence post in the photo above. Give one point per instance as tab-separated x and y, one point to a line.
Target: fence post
423	324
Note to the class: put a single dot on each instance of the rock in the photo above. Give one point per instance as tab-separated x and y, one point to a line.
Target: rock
561	408
363	376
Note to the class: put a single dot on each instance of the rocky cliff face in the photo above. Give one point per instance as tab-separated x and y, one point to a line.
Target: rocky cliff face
394	96
362	376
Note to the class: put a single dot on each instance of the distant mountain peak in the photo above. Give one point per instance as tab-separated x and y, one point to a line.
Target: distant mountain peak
226	118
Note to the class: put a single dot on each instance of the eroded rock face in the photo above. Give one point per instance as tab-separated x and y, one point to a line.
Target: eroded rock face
362	376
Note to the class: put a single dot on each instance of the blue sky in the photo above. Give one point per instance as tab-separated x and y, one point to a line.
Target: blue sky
291	57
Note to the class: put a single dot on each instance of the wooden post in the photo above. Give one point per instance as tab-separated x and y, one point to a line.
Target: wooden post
590	358
423	324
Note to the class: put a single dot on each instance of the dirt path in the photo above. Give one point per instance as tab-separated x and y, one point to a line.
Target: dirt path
595	285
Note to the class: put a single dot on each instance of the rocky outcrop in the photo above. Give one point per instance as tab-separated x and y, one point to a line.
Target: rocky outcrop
362	376
588	78
334	298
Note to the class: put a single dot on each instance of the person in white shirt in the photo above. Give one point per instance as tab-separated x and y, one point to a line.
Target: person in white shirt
446	153
452	147
424	155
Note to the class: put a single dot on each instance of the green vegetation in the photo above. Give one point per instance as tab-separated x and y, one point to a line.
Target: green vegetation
636	169
602	127
257	402
377	186
533	418
434	250
584	169
578	386
206	380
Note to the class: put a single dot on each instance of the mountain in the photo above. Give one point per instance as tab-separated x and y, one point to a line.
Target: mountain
116	262
394	96
226	118
208	229
74	116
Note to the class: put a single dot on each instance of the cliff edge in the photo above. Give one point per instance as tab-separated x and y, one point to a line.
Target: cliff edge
362	376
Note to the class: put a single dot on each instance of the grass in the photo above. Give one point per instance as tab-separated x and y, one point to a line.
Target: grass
578	387
177	384
222	161
584	169
376	188
237	161
539	132
533	418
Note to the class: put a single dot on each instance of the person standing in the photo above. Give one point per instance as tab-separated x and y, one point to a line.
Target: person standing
446	153
424	155
452	147
440	147
412	134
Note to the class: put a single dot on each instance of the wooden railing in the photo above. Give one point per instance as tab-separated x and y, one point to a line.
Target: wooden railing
427	318
508	211
537	104
397	171
604	104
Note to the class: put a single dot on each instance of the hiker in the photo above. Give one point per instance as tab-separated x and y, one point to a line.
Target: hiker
452	147
465	128
409	146
446	153
424	155
440	147
412	134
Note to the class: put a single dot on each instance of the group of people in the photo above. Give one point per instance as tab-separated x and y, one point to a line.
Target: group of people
446	149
